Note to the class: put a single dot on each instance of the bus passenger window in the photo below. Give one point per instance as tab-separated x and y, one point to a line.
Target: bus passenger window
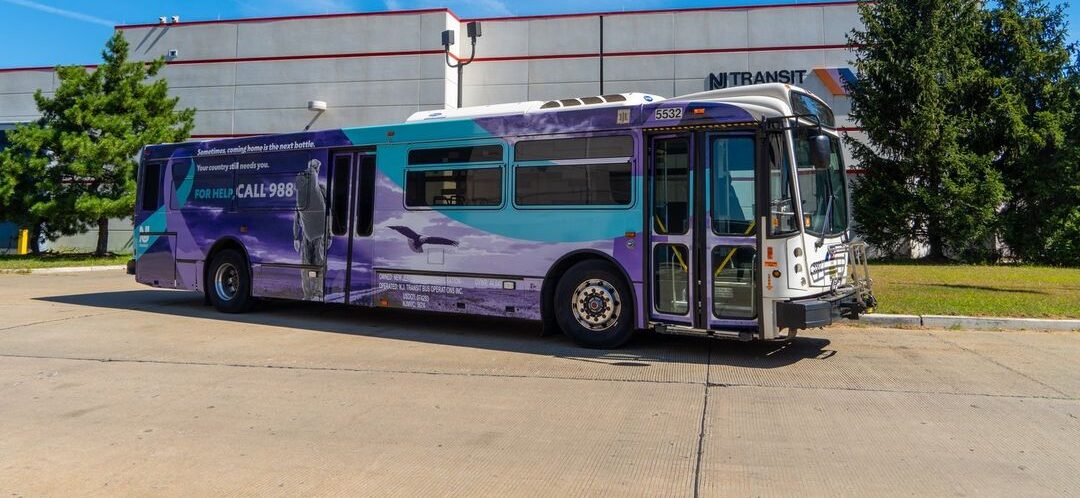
575	148
584	171
339	195
671	186
454	187
151	186
573	184
450	155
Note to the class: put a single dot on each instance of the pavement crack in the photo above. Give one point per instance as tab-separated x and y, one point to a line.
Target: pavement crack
708	384
704	414
998	363
343	369
89	315
54	320
1063	397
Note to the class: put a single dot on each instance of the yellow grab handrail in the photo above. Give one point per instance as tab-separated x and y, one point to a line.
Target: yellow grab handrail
731	253
678	256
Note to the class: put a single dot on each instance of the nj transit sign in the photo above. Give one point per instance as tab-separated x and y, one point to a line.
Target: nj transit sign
836	79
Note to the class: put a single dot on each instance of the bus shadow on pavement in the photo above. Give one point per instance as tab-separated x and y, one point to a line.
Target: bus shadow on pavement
497	334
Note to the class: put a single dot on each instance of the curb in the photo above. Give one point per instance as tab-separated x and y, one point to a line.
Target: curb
970	322
64	269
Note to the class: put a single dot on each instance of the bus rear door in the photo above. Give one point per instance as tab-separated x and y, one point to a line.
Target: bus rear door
351	193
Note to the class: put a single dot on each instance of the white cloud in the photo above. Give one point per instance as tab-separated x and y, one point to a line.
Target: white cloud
78	16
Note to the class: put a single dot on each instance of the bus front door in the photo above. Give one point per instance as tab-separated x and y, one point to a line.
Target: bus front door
350	192
671	235
703	238
729	239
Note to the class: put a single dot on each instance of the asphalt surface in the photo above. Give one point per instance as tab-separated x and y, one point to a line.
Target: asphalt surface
110	388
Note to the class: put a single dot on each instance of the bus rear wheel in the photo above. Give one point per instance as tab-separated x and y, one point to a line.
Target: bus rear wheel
594	306
229	284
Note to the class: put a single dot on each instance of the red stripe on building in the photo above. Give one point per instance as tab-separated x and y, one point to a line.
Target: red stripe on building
276	58
648	53
507	58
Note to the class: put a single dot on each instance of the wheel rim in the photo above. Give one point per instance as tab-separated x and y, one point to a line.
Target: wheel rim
596	305
227	281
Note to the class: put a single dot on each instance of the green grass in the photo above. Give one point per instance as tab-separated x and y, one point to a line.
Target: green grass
1009	291
59	260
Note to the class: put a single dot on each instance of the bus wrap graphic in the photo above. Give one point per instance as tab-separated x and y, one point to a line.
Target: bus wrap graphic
517	214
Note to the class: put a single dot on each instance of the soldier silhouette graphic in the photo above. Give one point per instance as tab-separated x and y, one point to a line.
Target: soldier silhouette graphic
310	237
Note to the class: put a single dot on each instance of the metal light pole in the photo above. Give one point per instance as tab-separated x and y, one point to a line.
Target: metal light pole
472	29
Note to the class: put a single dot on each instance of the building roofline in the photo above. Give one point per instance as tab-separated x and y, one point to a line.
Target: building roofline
451	13
661	11
246	20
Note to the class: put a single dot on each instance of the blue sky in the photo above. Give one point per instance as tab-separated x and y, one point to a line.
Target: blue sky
51	32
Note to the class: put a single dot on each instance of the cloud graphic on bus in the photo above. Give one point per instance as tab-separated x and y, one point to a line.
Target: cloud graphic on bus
417	241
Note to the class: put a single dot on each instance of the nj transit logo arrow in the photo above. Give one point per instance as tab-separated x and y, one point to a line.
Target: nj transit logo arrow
837	79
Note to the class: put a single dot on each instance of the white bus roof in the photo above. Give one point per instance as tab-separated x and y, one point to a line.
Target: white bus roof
535	106
765	100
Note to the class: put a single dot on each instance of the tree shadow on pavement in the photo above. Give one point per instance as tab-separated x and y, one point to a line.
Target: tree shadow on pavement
498	334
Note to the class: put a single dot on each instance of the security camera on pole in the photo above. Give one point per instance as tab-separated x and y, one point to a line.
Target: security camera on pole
472	29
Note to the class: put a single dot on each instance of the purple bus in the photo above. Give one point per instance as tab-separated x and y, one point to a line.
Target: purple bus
722	214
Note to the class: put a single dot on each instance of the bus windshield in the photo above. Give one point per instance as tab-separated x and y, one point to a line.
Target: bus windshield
823	192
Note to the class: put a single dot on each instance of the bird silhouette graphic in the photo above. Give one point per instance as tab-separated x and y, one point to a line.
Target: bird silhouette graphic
417	241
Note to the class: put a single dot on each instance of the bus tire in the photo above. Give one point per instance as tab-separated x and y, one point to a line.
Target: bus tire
594	305
229	282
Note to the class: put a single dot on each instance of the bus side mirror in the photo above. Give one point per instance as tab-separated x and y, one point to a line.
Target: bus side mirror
820	151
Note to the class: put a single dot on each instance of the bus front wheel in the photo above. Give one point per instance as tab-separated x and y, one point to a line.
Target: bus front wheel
230	282
594	305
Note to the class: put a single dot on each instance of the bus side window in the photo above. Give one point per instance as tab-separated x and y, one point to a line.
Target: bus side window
365	205
339	195
580	171
151	187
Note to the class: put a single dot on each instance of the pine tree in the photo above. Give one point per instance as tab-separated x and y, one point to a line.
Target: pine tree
76	165
920	98
1035	130
28	178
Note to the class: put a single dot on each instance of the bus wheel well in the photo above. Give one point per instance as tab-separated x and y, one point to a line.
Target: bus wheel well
220	245
551	281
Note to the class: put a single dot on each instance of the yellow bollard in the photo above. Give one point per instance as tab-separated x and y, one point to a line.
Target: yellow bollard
24	242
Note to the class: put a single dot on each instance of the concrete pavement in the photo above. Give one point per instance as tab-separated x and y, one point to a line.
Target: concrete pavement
107	388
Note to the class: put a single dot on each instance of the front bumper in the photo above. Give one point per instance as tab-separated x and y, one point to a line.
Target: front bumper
820	311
